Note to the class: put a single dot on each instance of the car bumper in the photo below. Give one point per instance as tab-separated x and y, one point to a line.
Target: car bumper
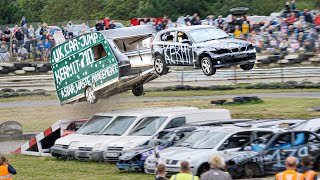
89	155
62	153
112	156
130	165
236	59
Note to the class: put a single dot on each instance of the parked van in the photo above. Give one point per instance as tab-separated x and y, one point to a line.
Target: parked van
101	64
152	125
120	126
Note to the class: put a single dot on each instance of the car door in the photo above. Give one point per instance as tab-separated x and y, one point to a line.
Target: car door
185	55
236	141
169	47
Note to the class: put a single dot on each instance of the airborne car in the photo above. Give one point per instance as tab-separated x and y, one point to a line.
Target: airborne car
102	64
204	47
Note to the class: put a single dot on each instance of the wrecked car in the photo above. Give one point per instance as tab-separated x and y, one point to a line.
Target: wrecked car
267	154
102	64
208	143
204	47
134	159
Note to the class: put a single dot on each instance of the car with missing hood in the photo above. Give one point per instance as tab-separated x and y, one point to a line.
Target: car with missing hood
150	126
266	155
204	145
204	47
133	159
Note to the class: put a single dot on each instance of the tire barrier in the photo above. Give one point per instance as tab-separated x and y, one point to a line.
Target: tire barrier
11	128
238	100
8	93
24	67
278	59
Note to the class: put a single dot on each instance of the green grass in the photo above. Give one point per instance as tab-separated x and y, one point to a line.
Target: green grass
47	168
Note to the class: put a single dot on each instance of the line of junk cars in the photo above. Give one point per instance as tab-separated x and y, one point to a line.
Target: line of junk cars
138	139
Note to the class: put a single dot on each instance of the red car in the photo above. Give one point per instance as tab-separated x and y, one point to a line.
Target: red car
73	126
136	21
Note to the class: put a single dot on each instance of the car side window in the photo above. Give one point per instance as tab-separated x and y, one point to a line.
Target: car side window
176	122
168	36
182	37
236	141
99	52
283	141
263	134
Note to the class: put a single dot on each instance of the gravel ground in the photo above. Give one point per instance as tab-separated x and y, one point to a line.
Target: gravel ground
8	146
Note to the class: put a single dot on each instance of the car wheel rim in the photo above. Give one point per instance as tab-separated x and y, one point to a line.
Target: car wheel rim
158	65
90	95
206	66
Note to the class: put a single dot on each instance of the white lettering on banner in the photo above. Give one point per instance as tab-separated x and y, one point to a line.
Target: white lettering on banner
75	87
74	45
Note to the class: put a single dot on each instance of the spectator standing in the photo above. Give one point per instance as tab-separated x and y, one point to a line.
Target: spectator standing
31	31
44	31
217	165
40	46
237	32
317	19
194	18
161	170
112	25
19	34
22	53
144	21
290	173
106	22
97	26
24	29
306	169
210	20
160	26
165	21
307	16
6	169
23	21
220	22
7	33
245	29
197	21
185	173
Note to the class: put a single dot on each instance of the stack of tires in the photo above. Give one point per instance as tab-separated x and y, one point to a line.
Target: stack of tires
24	67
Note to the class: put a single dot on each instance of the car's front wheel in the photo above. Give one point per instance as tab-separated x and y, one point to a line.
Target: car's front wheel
207	66
138	90
247	67
160	65
90	95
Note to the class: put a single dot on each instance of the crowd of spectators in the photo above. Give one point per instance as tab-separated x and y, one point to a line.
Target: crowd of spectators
104	24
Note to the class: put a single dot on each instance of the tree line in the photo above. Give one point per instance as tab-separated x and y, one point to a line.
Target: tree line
11	11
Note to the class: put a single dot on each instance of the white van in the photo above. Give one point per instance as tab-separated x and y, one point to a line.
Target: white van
120	126
66	146
150	126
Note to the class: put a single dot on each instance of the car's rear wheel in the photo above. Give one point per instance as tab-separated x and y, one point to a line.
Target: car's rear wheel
207	66
160	65
138	90
247	67
252	170
90	95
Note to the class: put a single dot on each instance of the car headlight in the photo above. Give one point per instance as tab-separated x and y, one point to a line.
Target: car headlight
128	146
97	146
74	145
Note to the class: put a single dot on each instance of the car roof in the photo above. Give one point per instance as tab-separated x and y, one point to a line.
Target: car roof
188	28
218	122
266	121
128	32
234	129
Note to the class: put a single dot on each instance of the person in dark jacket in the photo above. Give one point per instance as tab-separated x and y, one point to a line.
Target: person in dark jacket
306	169
217	165
161	170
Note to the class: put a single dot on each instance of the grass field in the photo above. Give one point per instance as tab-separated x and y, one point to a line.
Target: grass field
48	168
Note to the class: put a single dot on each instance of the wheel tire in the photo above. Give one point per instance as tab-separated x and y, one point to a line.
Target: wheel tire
207	66
160	65
90	95
247	67
138	90
251	170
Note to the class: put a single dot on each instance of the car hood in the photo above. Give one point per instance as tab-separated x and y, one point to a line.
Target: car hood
238	157
71	138
188	154
227	43
129	141
93	140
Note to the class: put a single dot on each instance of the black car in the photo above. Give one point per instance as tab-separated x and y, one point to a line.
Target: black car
204	47
266	155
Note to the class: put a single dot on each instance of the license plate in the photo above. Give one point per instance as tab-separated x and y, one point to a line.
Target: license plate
112	154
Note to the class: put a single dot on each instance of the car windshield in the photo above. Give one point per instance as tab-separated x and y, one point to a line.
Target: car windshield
148	126
94	125
210	141
207	34
192	138
119	125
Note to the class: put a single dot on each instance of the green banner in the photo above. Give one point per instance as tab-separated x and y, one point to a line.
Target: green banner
84	61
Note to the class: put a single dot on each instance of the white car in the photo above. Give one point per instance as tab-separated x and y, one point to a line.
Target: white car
309	125
89	148
206	143
271	123
152	125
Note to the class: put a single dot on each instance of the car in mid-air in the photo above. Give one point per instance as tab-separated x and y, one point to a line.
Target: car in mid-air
209	142
266	155
202	46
